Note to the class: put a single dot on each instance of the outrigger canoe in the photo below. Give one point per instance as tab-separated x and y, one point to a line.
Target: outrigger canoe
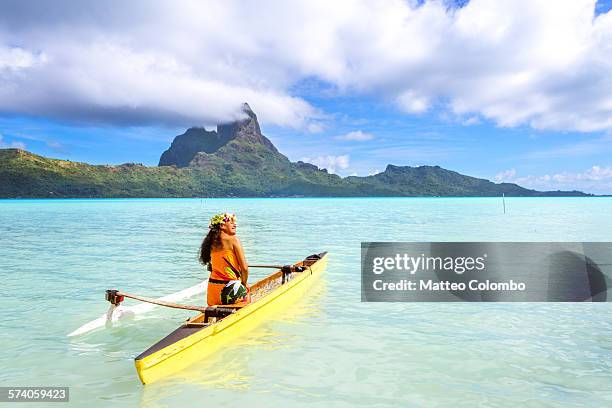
205	333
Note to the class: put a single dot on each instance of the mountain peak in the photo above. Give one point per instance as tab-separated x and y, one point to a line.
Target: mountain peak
193	147
247	109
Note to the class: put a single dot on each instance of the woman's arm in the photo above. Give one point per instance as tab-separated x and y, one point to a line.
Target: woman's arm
244	266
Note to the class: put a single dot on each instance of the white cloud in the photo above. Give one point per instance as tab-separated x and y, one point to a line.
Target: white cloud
374	172
357	135
542	63
315	127
15	58
505	175
331	163
12	145
597	179
472	120
413	103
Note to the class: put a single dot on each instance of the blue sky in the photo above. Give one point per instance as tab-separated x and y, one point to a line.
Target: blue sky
509	91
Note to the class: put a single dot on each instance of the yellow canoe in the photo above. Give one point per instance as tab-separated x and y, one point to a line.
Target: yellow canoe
208	331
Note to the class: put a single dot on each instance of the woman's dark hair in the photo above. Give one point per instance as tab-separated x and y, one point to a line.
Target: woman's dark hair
211	240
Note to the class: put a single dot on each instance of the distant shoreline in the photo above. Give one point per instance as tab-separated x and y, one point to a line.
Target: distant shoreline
27	175
290	198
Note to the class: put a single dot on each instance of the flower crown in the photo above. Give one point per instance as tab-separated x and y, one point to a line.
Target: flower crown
220	219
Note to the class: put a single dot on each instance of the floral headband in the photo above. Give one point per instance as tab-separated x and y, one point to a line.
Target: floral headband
220	219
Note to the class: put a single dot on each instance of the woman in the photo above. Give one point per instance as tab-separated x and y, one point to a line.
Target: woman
222	253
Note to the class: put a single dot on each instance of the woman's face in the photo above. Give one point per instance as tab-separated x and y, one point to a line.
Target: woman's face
229	227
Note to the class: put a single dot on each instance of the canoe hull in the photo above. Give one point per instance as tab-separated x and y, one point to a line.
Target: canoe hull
189	344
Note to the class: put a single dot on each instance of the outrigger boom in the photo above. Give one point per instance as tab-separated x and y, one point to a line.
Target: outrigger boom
115	297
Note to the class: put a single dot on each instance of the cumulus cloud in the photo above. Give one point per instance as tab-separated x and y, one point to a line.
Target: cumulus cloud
357	135
412	103
331	163
540	63
505	175
472	120
597	179
174	64
15	58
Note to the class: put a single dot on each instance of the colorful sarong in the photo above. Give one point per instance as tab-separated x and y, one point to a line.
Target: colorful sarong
224	285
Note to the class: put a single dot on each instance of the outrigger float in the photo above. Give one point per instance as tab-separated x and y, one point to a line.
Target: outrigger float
214	326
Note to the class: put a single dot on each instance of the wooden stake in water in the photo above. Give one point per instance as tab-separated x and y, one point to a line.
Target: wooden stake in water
504	201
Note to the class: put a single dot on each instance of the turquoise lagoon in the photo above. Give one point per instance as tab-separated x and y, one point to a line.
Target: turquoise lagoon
330	350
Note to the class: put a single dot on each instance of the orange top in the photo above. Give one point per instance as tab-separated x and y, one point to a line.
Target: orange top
224	265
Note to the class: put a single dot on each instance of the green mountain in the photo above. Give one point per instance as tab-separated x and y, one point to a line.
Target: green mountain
236	160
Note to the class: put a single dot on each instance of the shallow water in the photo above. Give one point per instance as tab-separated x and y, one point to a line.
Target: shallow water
330	350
